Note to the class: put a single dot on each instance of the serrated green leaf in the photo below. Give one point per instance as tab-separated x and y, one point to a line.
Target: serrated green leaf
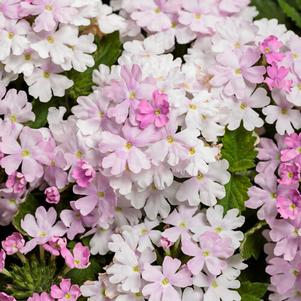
253	241
239	150
252	291
291	12
236	193
108	51
268	9
28	206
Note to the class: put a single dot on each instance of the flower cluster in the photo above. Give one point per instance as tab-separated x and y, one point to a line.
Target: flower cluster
278	198
42	38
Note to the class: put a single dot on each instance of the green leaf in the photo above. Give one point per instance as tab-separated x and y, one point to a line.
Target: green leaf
28	206
239	150
40	110
252	291
253	241
108	51
79	276
236	193
291	12
269	9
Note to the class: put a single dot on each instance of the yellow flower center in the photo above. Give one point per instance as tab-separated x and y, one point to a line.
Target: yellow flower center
13	118
170	139
46	74
50	39
136	269
25	153
27	57
128	145
101	194
238	71
48	7
165	281
157	112
243	106
11	35
198	16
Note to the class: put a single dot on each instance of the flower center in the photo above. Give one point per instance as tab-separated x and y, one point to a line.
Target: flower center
158	112
157	10
238	71
192	151
165	281
68	296
136	269
218	229
25	153
13	118
10	35
76	261
206	253
128	145
170	139
27	57
50	39
214	284
200	176
48	7
198	16
243	106
78	154
192	106
132	95
46	74
42	234
101	194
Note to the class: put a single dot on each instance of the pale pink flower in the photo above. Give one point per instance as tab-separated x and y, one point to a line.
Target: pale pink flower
26	153
13	243
162	283
55	245
289	204
40	297
211	252
79	258
10	8
42	227
66	291
52	195
49	13
233	6
155	112
235	69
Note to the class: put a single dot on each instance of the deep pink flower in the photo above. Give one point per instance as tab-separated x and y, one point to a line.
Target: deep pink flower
83	173
163	283
5	297
289	205
66	291
276	78
55	245
155	112
293	148
16	182
13	243
52	195
270	48
79	258
2	260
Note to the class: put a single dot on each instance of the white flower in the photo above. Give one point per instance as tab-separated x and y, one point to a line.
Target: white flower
219	288
44	81
192	294
242	109
283	114
100	241
57	44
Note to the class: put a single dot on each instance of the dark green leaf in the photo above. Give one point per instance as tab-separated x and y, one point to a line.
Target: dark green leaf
269	9
236	193
108	51
291	12
239	150
252	291
253	241
29	206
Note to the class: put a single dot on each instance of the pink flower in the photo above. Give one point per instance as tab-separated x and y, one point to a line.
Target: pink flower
42	228
211	251
16	182
155	112
5	297
83	173
40	297
289	173
165	243
276	78
55	245
66	291
50	13
162	283
13	243
26	153
292	151
2	260
10	8
125	152
98	194
52	195
284	274
289	205
235	69
270	48
80	257
127	93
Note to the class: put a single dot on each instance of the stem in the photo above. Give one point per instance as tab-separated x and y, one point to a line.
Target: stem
21	257
66	270
42	254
